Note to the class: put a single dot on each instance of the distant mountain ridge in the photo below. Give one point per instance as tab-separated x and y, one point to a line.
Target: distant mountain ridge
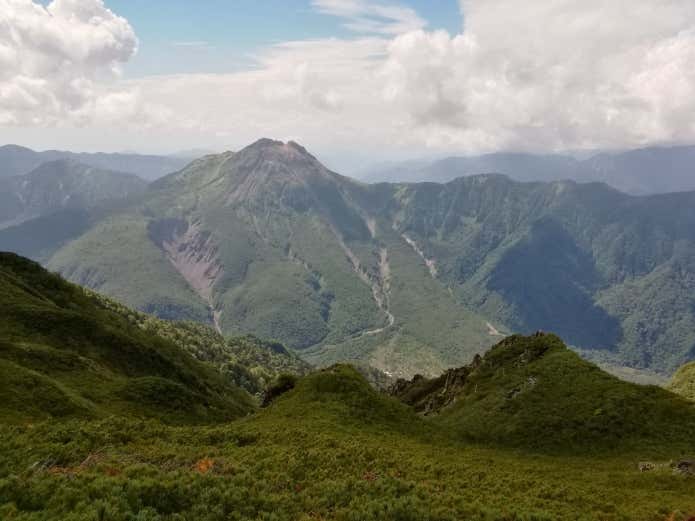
62	184
638	172
16	160
411	278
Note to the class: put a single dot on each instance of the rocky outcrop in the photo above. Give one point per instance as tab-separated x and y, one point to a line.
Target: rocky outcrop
430	396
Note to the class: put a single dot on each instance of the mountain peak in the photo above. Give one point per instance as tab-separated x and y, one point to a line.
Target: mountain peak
15	149
289	150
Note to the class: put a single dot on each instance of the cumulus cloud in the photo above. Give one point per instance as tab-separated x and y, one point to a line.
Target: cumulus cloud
545	75
541	75
306	90
56	61
550	74
372	17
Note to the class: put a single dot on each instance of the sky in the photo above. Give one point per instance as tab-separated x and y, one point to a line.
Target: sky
355	81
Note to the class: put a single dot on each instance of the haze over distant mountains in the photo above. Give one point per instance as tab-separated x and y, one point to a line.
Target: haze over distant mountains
16	160
639	172
61	184
407	277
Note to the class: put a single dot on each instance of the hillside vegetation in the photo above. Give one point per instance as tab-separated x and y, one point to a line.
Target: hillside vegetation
106	414
333	449
683	382
62	354
534	392
249	362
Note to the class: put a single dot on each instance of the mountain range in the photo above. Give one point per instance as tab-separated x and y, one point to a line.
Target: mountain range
16	160
59	185
410	278
638	172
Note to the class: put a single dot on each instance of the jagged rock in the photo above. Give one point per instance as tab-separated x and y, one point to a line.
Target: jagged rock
429	396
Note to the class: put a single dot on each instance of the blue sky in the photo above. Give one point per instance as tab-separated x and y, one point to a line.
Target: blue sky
185	36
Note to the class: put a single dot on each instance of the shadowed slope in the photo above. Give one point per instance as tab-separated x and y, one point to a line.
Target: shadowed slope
62	353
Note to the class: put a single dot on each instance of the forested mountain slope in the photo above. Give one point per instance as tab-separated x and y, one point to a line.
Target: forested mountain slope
409	277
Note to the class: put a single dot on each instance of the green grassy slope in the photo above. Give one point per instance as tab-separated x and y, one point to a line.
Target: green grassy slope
683	382
572	258
117	258
535	392
247	361
63	354
331	449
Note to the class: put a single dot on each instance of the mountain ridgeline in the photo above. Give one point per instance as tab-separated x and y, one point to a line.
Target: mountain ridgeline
62	185
16	160
643	171
534	392
411	278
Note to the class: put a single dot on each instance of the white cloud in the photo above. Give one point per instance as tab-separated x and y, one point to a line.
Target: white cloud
308	90
56	61
365	16
550	74
541	75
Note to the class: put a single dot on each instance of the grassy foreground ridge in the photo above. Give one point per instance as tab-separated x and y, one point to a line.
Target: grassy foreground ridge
106	418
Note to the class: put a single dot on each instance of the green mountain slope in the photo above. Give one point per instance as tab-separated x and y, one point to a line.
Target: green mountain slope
248	362
64	354
331	448
269	242
85	384
407	277
569	258
40	238
683	382
534	392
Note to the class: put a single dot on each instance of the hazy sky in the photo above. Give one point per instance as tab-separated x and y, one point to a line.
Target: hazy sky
353	80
